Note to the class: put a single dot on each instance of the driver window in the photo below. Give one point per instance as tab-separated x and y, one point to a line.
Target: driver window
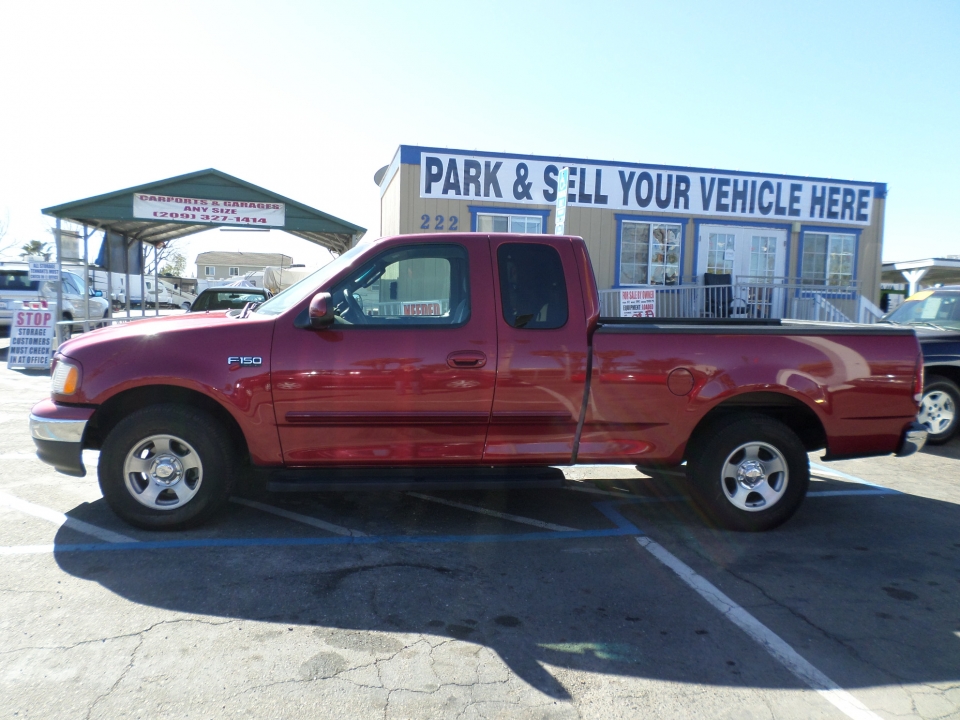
415	285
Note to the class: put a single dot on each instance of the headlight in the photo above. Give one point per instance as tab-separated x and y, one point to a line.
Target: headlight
66	379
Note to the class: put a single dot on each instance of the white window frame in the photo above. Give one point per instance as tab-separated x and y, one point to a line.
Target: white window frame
833	239
209	271
234	272
650	263
510	218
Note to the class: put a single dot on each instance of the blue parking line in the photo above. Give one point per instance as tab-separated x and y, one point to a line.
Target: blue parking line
619	531
609	509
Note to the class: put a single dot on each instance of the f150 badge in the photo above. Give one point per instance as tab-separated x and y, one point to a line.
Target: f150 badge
244	360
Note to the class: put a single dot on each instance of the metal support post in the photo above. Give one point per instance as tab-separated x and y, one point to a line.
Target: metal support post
106	240
143	279
126	273
86	283
156	277
59	312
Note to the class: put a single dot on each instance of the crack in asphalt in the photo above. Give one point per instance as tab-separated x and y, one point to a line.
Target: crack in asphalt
114	637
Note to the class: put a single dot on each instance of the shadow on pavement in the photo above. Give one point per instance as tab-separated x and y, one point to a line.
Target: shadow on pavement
866	588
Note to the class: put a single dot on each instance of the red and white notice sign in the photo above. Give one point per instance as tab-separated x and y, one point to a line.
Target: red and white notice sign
638	303
172	208
430	307
31	336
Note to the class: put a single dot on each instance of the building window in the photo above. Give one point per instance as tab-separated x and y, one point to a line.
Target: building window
720	248
208	271
763	256
501	223
234	271
649	253
828	258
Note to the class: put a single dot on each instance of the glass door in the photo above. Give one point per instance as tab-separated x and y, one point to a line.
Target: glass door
749	260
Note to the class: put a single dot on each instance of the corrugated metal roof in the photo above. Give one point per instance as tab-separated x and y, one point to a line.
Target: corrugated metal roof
114	211
242	258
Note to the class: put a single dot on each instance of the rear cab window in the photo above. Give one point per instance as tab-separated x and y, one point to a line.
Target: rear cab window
532	288
17	280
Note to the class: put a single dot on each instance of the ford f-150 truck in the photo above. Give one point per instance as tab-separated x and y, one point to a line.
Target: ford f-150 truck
469	358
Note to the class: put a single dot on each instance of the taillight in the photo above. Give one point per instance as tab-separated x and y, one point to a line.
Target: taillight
918	380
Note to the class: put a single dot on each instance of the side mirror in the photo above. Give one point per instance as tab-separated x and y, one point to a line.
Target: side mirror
319	315
98	293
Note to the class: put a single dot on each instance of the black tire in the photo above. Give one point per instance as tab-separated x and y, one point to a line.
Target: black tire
197	438
940	409
735	505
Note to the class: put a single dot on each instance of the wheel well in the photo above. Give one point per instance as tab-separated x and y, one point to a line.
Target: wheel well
122	404
948	371
790	411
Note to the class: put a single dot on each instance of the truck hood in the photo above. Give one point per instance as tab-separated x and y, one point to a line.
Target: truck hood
169	325
190	350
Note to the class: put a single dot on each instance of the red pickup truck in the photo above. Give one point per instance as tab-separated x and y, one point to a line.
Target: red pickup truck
468	358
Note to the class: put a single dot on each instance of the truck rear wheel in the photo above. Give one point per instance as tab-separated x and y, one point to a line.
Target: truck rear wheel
167	467
750	473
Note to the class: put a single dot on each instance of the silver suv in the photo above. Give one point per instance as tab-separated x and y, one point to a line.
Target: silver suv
16	287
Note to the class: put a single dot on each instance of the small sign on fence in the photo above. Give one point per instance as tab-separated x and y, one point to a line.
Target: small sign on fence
638	303
430	307
42	271
31	336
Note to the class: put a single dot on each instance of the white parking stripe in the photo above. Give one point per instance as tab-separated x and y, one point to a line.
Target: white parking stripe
768	640
61	520
494	513
305	519
28	550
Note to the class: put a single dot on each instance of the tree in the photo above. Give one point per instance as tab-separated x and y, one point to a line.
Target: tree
176	265
35	248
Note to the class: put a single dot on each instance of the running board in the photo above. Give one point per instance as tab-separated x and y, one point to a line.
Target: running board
408	478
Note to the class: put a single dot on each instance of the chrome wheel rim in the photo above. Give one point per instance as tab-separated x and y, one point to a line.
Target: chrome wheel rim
938	411
162	472
754	476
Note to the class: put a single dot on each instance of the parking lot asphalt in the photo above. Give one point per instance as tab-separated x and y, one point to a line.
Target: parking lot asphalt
608	598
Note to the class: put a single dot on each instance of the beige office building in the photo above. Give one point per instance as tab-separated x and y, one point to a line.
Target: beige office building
787	246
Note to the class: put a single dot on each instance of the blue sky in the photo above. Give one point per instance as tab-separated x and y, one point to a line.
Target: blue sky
310	98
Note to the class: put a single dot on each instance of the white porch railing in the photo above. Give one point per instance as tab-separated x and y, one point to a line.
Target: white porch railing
754	298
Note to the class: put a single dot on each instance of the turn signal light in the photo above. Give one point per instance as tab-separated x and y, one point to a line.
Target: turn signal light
66	379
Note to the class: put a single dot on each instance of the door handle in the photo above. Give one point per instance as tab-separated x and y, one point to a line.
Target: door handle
466	359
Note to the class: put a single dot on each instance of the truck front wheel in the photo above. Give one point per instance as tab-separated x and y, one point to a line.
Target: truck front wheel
166	467
750	473
940	409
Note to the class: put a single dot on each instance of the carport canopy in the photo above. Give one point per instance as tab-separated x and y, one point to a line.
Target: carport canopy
923	273
118	212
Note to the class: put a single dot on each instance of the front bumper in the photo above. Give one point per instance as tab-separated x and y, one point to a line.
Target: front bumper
58	434
913	439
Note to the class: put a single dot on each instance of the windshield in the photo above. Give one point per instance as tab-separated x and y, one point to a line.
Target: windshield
299	291
929	308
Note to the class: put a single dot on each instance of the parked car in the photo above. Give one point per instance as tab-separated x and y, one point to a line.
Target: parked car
16	287
227	298
475	358
935	315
